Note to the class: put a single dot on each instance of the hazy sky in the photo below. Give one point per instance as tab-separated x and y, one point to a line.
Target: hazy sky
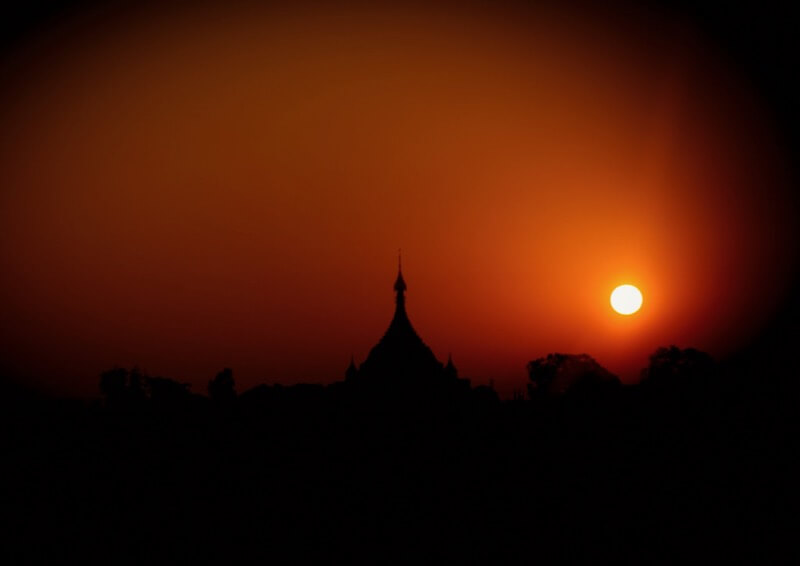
195	188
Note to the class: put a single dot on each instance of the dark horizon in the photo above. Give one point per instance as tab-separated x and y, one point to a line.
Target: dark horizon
694	462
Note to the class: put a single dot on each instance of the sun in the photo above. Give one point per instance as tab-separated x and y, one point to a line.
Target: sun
626	299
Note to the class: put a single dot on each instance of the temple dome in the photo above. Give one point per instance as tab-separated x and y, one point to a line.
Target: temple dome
400	353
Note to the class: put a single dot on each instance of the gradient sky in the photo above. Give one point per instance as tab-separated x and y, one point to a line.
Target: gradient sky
192	188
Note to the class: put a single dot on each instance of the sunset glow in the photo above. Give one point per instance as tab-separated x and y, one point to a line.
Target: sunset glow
227	187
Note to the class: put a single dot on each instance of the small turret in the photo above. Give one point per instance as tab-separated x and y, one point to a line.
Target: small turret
450	369
352	371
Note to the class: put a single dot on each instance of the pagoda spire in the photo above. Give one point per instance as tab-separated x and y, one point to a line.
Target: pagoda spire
400	352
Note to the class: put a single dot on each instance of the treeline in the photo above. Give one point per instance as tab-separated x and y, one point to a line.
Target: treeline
691	465
671	371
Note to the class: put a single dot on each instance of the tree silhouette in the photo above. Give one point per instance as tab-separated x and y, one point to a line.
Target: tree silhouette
167	393
113	385
136	384
676	371
675	367
222	389
562	373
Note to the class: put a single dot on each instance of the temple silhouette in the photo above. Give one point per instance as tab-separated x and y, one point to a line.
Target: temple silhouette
400	357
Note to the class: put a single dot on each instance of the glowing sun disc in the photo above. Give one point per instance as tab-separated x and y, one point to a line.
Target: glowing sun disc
626	299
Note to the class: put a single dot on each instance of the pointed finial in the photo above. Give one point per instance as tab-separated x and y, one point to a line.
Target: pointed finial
399	284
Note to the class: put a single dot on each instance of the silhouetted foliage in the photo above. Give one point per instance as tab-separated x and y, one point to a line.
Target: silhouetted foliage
618	475
222	389
123	387
167	393
485	394
518	395
675	369
136	385
113	385
562	373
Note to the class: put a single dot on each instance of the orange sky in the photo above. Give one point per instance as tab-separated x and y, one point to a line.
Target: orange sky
193	189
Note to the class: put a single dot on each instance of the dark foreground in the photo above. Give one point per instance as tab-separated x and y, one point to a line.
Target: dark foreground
318	475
